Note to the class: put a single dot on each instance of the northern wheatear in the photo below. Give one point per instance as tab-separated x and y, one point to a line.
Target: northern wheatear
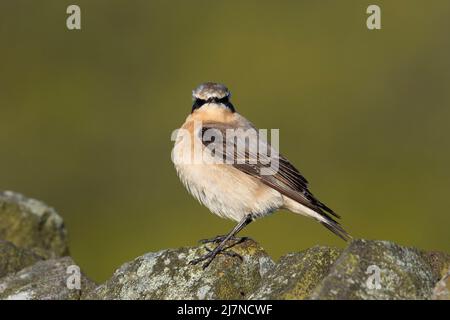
238	189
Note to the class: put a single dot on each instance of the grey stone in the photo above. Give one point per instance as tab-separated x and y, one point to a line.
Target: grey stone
296	274
442	289
45	280
31	224
34	265
167	274
13	259
404	274
438	261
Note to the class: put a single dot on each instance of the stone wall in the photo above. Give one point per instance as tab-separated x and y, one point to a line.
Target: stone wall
35	264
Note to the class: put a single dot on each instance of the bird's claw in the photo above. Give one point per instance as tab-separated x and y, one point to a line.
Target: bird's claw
229	253
209	257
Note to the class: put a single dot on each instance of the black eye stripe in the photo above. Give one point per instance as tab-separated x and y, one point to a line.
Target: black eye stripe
230	106
197	104
200	102
225	101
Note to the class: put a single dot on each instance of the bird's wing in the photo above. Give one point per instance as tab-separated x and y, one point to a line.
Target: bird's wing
286	179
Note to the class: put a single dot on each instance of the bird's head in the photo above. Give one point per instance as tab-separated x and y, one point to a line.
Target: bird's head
211	93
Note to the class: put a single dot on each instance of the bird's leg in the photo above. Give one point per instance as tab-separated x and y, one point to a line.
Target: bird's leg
209	257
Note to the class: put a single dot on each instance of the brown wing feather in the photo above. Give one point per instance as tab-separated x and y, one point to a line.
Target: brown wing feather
287	180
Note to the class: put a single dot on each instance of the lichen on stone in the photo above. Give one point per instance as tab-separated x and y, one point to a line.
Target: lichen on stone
13	259
44	280
296	274
31	224
152	277
403	274
33	265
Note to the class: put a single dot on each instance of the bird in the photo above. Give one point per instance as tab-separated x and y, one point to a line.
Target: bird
236	187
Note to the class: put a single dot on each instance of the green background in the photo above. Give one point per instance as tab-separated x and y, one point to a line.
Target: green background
86	116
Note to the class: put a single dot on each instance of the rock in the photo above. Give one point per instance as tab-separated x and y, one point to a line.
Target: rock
45	280
439	262
167	275
30	224
442	289
297	274
316	273
34	265
13	259
403	273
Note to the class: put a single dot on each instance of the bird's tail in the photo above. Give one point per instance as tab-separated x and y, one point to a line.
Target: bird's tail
322	217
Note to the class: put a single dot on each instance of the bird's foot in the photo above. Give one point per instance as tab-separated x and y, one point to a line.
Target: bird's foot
227	252
220	239
223	243
222	248
209	257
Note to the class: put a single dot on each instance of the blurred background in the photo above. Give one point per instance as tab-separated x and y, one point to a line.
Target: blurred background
86	116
